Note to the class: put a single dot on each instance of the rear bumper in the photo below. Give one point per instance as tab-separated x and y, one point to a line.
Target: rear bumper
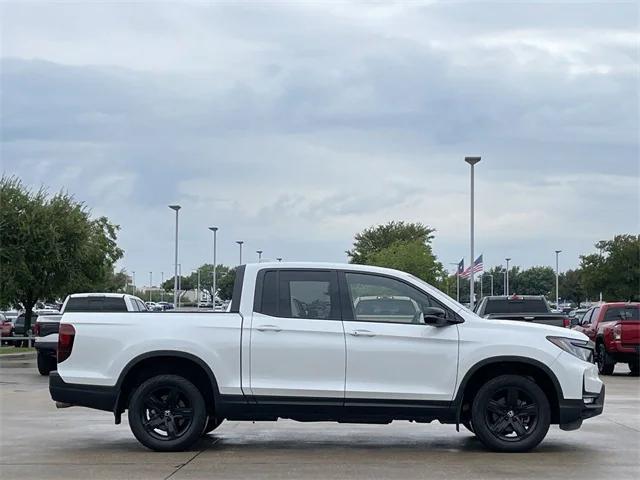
92	396
573	412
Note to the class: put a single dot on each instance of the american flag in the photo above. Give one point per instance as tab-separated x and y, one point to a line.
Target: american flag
460	267
478	266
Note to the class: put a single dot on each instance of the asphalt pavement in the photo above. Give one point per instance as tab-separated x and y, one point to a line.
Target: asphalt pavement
41	442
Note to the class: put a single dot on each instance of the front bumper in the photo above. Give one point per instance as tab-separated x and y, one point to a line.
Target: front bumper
573	412
92	396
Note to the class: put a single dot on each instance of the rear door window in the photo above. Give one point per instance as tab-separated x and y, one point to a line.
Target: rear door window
622	314
309	294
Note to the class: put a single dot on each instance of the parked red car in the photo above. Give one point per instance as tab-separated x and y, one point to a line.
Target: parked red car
615	329
6	327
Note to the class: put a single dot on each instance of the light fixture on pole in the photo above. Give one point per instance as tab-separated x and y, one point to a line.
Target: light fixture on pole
557	276
472	162
259	252
175	263
240	242
215	247
506	281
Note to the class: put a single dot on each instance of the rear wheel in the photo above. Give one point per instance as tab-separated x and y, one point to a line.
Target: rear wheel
510	413
606	363
167	413
46	364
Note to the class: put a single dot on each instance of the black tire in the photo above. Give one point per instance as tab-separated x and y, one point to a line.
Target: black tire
635	368
46	364
605	362
167	413
510	413
212	424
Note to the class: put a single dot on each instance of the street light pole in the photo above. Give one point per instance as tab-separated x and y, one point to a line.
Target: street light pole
557	273
150	284
162	286
506	287
133	281
491	276
259	252
175	263
215	247
472	162
240	242
198	294
179	281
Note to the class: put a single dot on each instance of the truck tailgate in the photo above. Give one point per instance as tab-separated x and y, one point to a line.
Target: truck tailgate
630	333
545	319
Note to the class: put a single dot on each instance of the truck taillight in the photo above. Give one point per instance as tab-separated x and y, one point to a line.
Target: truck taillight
566	322
36	329
66	335
617	332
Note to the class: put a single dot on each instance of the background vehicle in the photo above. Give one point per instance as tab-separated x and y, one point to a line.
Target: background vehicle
575	316
166	305
523	308
295	345
615	329
6	327
46	327
154	307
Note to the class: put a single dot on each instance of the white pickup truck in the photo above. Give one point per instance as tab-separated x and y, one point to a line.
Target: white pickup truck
327	342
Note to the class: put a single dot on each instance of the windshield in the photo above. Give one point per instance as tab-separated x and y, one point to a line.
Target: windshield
517	305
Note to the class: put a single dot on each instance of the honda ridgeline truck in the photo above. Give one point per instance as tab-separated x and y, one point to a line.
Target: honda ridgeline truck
327	342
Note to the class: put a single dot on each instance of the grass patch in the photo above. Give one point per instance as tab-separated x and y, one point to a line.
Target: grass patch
6	350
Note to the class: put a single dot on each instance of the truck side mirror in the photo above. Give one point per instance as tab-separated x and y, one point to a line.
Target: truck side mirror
435	316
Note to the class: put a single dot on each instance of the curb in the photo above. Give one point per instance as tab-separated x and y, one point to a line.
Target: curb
18	356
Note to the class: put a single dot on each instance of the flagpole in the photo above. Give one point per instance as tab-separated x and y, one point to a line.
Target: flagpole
457	287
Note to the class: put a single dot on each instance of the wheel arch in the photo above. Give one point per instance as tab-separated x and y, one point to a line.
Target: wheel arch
503	365
148	364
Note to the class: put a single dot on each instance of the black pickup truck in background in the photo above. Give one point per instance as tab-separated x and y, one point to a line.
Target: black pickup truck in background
523	308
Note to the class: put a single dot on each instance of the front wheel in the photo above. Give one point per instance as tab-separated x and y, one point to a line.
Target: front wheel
606	363
510	413
167	413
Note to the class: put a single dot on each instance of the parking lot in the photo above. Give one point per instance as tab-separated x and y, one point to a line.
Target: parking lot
40	441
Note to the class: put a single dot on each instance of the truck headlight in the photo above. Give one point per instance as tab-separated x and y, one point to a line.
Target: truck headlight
583	349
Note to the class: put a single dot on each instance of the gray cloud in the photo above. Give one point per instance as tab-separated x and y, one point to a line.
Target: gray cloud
292	127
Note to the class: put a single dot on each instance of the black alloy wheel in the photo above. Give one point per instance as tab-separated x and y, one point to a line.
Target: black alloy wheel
167	413
510	413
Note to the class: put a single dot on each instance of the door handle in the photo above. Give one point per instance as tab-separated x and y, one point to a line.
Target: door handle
363	333
268	328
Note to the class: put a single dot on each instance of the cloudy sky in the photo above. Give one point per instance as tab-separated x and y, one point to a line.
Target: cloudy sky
293	125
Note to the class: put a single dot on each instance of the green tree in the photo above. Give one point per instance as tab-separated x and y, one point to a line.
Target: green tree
411	256
374	239
570	285
614	271
225	284
535	281
50	247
